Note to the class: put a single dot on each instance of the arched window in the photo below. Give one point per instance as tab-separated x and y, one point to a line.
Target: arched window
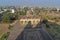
29	22
33	21
21	22
37	21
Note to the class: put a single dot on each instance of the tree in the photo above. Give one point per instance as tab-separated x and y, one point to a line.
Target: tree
5	36
6	18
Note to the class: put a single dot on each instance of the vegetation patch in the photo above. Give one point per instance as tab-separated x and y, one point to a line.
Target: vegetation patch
54	30
10	27
45	20
5	36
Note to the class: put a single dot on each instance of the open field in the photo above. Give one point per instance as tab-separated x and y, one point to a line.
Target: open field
3	29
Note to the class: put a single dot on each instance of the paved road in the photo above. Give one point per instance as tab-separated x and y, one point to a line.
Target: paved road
33	35
36	33
29	33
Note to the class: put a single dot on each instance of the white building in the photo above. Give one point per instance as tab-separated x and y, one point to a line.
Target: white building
58	9
12	11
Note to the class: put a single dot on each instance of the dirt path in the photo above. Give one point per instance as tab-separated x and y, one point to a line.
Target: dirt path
16	31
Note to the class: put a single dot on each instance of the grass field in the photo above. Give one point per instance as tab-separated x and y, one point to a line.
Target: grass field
54	30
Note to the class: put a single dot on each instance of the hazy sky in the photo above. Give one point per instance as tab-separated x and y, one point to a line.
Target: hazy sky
30	2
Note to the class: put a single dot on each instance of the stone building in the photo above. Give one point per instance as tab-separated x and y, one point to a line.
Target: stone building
33	20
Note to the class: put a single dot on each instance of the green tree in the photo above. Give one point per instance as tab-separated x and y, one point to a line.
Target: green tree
5	36
6	18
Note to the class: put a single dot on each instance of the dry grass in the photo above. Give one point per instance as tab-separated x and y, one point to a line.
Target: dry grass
3	29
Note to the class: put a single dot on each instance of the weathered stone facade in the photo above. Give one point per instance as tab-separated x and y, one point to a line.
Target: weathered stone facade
33	21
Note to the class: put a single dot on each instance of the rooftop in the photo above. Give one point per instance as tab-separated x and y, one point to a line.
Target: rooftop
30	17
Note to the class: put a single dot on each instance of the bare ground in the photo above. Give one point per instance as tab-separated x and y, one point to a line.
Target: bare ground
3	28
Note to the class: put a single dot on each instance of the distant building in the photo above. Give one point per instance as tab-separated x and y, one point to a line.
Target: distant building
12	11
58	9
32	9
33	20
5	9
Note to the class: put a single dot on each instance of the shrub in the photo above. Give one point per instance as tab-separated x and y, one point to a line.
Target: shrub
47	26
45	20
5	36
8	18
10	27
